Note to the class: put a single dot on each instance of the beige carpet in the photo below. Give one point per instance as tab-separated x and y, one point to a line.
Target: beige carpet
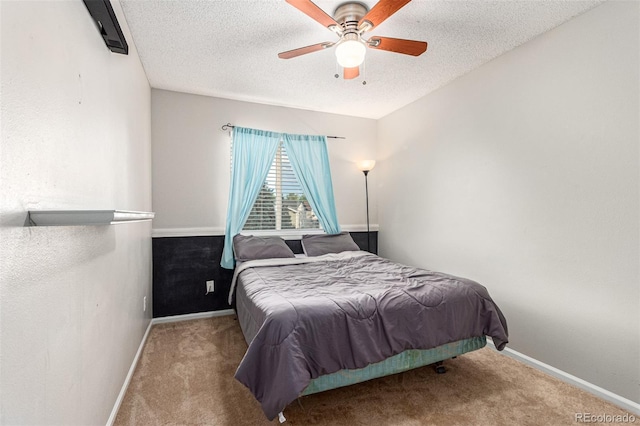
185	377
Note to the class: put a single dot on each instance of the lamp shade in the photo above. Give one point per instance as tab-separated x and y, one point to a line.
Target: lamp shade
350	53
366	165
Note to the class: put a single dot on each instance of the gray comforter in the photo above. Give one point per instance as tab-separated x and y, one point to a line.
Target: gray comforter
303	318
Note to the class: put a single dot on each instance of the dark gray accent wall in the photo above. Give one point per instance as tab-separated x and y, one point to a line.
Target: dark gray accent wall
183	265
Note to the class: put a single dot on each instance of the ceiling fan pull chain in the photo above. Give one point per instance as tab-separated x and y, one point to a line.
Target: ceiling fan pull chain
363	68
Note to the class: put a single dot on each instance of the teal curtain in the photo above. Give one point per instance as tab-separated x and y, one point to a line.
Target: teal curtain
310	162
253	153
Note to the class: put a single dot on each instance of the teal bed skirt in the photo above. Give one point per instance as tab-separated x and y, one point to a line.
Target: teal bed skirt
407	360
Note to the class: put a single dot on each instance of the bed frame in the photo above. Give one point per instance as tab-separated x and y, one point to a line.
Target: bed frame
407	360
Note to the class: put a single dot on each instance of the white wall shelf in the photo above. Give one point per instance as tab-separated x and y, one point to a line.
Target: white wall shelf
85	217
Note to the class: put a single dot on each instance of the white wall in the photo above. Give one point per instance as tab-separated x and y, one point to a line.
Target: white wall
524	175
75	135
191	165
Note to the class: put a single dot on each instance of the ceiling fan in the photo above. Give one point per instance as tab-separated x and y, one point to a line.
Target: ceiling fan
350	21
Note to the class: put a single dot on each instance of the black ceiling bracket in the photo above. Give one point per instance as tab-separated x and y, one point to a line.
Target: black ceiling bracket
107	24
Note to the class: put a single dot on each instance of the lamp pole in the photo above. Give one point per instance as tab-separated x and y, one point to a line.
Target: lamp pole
365	167
366	190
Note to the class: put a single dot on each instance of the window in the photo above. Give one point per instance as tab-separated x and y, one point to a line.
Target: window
281	203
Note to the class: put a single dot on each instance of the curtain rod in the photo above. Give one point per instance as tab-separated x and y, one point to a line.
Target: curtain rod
231	126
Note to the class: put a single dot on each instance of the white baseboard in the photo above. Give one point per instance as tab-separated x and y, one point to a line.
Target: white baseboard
125	385
618	400
187	317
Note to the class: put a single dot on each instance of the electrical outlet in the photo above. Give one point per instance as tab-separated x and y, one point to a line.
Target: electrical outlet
144	304
210	287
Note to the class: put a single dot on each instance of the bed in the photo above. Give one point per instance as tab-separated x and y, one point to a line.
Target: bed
339	317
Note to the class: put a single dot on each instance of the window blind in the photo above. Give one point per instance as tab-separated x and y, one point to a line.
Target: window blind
281	203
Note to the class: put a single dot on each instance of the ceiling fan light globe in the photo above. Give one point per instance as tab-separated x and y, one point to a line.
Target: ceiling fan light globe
350	53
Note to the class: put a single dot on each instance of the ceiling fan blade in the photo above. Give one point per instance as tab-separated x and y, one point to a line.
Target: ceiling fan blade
380	12
304	50
350	73
398	45
313	11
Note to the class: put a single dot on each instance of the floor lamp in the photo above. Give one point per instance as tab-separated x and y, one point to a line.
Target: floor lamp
365	167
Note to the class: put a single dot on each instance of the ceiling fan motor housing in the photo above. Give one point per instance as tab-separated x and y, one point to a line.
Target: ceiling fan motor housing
349	14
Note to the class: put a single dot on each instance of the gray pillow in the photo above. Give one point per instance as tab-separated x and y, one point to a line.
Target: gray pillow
317	245
248	247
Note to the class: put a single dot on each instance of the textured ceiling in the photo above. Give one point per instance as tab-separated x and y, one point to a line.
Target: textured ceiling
228	49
